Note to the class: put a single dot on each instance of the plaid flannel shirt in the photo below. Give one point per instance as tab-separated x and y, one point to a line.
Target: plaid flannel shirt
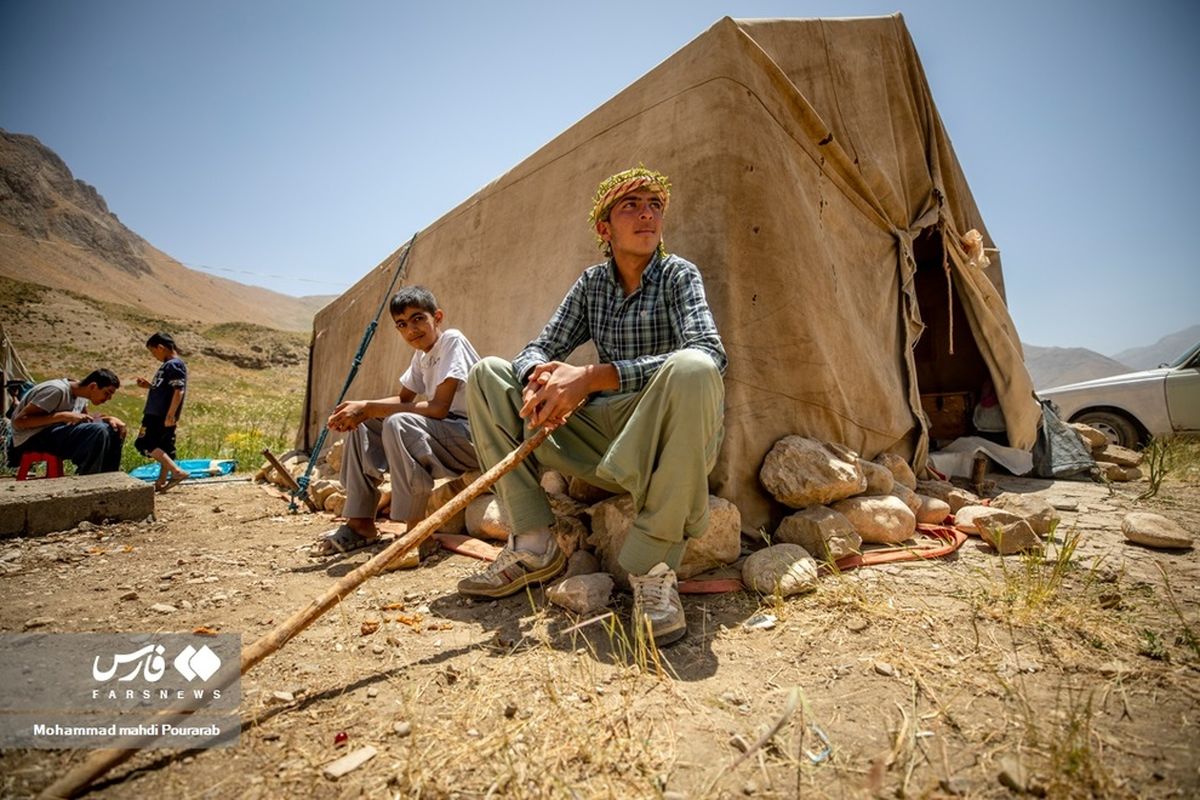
668	312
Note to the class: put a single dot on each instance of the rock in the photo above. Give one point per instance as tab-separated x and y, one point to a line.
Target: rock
37	622
969	518
1010	537
822	532
319	490
1111	472
582	594
1012	774
901	471
1115	454
802	472
935	488
879	478
581	562
163	608
931	511
130	596
1040	515
1092	438
1155	530
957	498
885	669
334	457
910	498
444	491
786	569
721	542
485	519
570	533
348	763
1133	473
879	520
585	492
554	482
281	697
334	503
402	728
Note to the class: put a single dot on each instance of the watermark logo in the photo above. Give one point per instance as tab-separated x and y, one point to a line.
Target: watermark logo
149	662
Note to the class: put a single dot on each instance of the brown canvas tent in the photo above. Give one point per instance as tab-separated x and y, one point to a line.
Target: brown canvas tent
816	189
12	370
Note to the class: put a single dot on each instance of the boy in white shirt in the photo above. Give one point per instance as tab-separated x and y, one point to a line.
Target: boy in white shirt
415	441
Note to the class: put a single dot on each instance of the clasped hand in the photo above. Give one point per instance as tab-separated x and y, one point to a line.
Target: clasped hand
553	391
347	415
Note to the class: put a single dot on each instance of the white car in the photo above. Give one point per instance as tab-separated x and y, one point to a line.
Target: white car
1133	407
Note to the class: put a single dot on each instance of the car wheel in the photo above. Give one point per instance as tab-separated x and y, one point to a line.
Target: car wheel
1117	427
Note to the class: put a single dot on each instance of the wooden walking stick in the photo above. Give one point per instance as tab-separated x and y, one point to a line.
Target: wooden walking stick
79	778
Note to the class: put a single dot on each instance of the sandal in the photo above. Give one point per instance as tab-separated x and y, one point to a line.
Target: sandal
176	479
341	540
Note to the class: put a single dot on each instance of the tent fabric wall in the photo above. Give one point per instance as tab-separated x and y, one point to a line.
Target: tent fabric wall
806	156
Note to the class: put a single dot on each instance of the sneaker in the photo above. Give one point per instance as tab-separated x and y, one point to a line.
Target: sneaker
513	570
656	601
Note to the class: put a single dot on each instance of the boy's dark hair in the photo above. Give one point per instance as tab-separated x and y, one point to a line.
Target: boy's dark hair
164	339
103	378
413	297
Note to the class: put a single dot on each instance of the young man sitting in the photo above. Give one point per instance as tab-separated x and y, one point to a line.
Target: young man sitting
415	441
652	423
53	418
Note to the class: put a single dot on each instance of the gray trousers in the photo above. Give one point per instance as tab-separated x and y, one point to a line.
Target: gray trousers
414	450
658	444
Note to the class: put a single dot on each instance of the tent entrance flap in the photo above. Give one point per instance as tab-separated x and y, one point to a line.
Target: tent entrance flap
951	371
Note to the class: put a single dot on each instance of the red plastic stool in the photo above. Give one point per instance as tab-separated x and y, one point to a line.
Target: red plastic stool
53	465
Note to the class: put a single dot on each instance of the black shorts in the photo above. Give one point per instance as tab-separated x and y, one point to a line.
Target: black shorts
155	436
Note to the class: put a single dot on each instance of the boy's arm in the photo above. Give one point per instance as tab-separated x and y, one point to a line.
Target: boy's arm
173	408
34	416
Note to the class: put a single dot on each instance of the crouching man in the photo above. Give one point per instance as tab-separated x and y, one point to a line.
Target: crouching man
53	418
647	419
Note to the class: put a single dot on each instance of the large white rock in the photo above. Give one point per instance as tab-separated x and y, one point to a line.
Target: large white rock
821	531
931	511
972	519
1155	530
1010	537
319	490
899	468
720	544
334	455
485	519
910	498
879	520
582	594
1040	515
784	568
879	478
802	472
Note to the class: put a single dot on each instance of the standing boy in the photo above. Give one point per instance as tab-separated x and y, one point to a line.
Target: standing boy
53	418
160	418
415	441
653	419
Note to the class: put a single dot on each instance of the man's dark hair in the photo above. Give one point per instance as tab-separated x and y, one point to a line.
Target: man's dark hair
103	378
413	297
161	338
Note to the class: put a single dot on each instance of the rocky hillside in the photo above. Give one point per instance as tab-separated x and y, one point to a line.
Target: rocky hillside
57	231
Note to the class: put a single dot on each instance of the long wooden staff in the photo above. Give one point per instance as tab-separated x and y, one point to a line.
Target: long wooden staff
101	761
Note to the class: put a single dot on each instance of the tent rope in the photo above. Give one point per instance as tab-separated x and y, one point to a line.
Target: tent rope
303	481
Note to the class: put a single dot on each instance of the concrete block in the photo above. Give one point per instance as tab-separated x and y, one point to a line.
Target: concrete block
42	506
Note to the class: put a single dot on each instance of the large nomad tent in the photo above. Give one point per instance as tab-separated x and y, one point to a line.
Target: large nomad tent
815	187
12	371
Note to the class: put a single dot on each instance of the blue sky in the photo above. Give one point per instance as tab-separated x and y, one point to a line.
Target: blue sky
307	140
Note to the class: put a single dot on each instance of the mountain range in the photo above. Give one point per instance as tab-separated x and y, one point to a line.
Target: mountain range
57	231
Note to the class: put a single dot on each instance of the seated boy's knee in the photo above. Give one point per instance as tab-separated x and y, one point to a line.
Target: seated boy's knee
404	421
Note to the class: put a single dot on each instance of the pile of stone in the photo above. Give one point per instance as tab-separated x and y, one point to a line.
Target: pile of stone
1115	463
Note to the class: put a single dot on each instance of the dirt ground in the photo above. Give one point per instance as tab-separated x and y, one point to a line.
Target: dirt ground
966	676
